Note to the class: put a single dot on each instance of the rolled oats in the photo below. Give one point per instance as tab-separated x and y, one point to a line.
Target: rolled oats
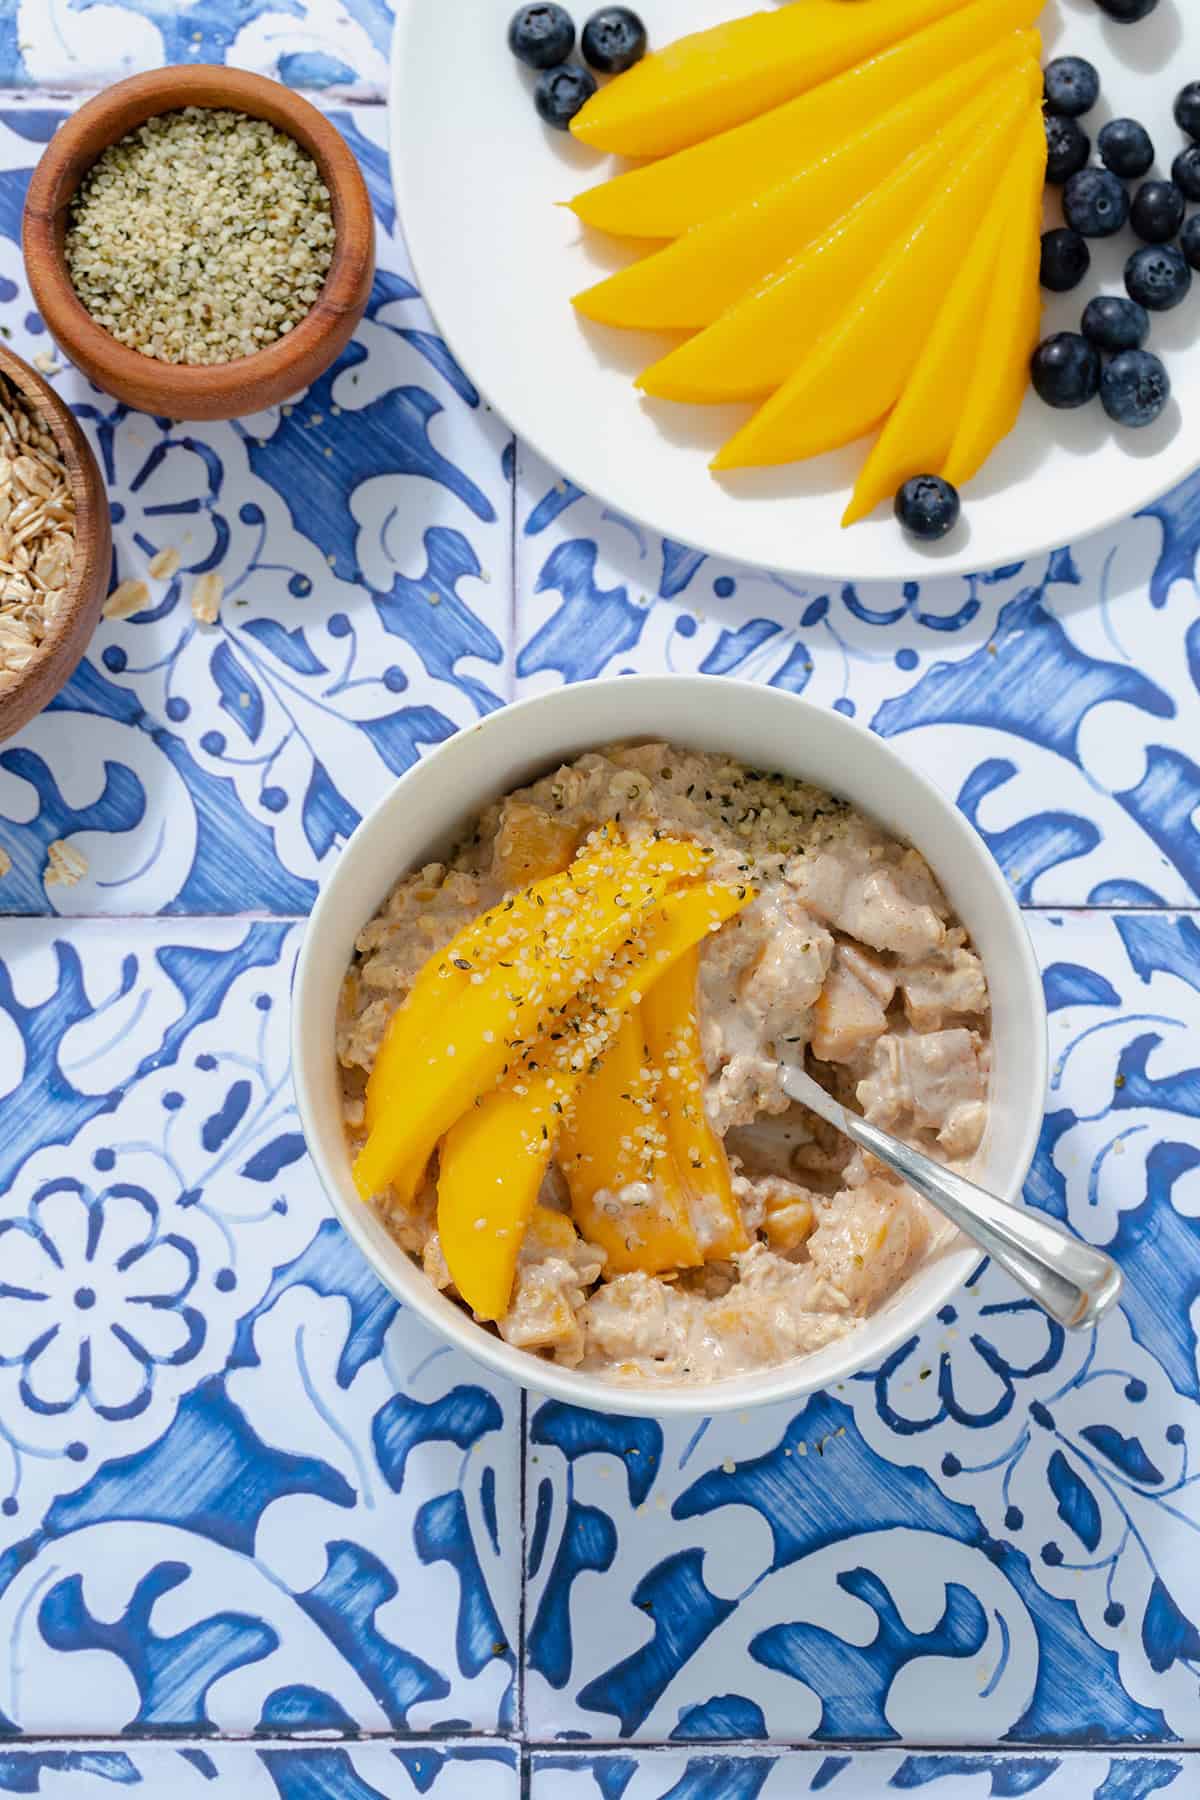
37	530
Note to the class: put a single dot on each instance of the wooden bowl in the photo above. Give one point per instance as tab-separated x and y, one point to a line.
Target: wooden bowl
248	383
24	694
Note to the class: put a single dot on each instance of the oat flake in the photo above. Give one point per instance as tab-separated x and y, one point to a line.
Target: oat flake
66	866
165	564
129	597
206	597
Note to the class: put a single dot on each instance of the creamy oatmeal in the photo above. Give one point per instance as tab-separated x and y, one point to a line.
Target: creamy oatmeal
844	958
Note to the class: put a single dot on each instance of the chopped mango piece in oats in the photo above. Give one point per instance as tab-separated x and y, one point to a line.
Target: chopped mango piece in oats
530	845
477	1037
673	1043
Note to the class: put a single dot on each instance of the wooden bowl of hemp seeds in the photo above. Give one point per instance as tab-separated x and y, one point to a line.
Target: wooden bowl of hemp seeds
200	242
55	543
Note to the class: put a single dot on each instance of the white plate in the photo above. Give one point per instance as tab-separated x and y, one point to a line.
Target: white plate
477	176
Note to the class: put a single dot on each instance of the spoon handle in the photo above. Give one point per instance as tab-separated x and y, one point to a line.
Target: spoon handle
1071	1280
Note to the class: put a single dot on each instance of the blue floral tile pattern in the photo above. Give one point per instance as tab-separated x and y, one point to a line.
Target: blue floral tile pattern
238	1487
275	1771
1056	700
853	1775
338	46
958	1546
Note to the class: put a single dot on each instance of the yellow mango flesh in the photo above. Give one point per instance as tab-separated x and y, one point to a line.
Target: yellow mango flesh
853	375
710	80
493	1158
474	1040
443	978
753	347
1001	377
691	282
920	430
490	1168
666	198
673	1046
612	1145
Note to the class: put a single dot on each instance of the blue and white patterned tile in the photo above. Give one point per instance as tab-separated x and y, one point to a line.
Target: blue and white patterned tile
239	1489
333	46
1056	700
958	1547
279	1771
853	1775
363	538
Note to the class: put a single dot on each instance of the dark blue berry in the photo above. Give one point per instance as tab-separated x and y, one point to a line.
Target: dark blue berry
1185	171
613	40
1157	211
541	36
1113	323
1071	86
1095	203
1127	12
928	507
1066	370
1191	240
1126	148
1068	147
1158	277
1134	388
1187	109
560	93
1065	259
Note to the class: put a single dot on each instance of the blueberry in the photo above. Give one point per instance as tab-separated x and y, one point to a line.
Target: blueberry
928	507
1134	388
1068	147
613	40
541	36
1187	109
1126	148
1185	171
1066	370
1095	203
1158	277
1191	240
1113	323
1071	86
559	93
1157	211
1127	12
1065	259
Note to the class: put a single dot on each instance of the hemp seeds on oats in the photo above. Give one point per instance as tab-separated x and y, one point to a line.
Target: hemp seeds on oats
202	236
37	531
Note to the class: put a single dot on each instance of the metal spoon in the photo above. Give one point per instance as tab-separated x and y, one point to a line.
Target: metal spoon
1070	1280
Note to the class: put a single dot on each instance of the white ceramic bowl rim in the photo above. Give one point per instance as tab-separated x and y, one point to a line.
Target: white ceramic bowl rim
435	800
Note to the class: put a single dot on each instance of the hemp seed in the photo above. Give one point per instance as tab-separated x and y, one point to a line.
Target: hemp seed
202	236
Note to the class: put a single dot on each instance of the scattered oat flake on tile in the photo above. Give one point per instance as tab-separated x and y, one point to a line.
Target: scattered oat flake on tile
129	597
206	597
5	863
66	866
165	563
47	362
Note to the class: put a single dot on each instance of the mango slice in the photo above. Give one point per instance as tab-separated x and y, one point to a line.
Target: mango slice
446	975
493	1158
713	79
474	1040
692	281
490	1170
853	375
625	1189
1000	379
751	350
666	198
673	1045
920	430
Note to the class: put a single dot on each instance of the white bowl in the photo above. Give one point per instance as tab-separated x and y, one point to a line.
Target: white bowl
768	729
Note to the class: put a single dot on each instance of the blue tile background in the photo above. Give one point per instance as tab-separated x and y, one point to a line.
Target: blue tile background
242	1495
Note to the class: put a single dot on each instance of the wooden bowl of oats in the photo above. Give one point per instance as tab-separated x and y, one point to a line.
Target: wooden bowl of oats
200	242
55	543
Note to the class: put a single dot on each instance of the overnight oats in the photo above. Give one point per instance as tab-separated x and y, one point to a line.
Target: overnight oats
562	1055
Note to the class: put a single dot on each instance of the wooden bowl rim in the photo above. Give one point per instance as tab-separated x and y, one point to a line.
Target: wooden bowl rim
103	121
87	586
